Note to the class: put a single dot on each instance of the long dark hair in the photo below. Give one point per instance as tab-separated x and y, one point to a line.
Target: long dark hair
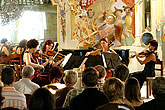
48	42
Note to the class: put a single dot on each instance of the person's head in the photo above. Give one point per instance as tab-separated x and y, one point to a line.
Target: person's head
118	12
90	13
114	89
48	45
56	74
110	19
28	71
70	77
158	86
127	10
101	70
90	77
1	97
122	72
104	42
153	45
7	76
132	89
32	44
4	41
22	43
42	99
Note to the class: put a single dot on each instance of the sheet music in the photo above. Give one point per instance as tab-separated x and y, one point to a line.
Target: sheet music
83	62
104	62
67	57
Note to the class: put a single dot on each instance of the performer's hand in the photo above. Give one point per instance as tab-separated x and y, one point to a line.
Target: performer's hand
88	53
50	58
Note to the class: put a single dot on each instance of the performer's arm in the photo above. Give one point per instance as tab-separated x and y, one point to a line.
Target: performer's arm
96	52
5	51
28	62
147	59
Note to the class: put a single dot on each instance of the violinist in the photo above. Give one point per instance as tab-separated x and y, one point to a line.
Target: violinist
149	61
29	59
4	53
47	49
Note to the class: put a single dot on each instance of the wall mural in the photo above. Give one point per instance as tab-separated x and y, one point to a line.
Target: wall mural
117	24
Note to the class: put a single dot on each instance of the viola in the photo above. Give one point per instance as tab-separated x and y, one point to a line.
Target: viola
55	54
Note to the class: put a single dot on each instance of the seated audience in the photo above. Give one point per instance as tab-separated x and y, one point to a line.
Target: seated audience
12	97
122	72
158	91
55	76
25	85
91	97
42	99
102	74
70	79
114	90
132	92
20	49
4	52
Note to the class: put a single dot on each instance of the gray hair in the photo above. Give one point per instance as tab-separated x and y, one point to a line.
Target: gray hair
70	77
158	85
28	71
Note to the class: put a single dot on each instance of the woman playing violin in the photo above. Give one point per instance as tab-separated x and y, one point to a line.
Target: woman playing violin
28	58
149	61
47	49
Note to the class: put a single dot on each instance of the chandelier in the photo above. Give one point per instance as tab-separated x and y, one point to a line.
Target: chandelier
10	11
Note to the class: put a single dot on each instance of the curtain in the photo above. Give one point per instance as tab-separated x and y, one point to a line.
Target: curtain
131	3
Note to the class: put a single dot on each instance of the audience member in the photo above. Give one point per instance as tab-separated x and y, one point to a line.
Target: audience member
70	79
25	85
20	49
91	97
158	91
13	98
1	97
114	90
4	52
122	72
42	99
55	76
102	74
132	92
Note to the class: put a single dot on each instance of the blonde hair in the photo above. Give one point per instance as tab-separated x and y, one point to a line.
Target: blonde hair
114	89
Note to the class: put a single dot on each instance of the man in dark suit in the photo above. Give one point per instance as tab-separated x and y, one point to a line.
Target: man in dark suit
91	97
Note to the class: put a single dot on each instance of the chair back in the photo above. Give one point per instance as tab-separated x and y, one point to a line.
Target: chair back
160	68
16	60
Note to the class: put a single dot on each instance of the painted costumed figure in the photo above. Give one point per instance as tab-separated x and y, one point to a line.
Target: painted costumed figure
127	38
85	31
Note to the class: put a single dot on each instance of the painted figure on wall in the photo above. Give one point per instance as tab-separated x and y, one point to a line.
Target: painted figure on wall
85	30
127	38
108	29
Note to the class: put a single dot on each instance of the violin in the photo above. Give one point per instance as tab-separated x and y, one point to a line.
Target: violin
55	54
37	54
144	52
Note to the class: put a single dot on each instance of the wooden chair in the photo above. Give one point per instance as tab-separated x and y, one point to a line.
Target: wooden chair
16	60
149	79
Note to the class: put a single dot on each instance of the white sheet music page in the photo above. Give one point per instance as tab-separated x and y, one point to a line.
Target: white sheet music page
67	57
